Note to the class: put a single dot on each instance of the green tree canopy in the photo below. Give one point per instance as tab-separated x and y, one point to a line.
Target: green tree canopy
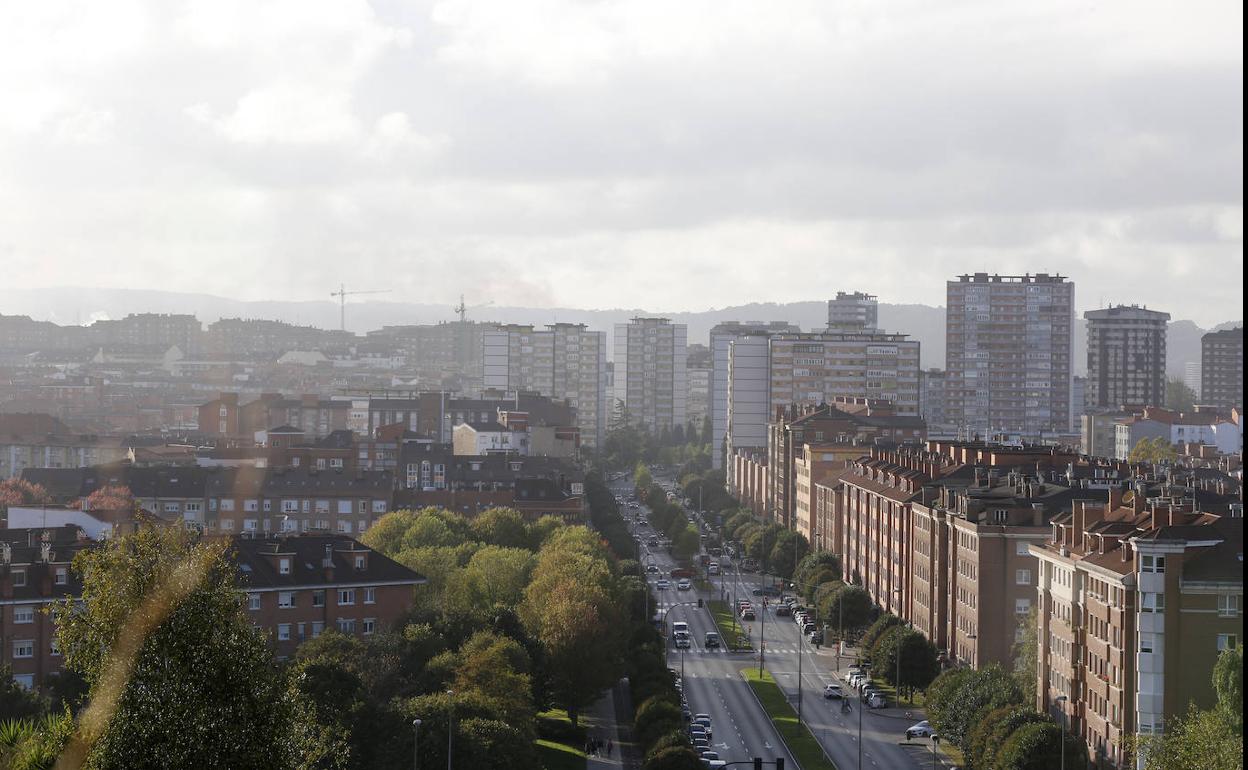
178	677
849	608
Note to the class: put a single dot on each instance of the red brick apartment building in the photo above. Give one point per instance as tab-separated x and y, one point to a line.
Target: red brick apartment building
296	587
35	574
1137	596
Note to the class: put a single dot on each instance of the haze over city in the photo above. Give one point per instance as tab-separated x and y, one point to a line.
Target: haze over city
620	155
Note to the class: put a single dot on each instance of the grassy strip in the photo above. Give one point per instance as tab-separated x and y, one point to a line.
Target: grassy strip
724	619
802	744
559	756
560	745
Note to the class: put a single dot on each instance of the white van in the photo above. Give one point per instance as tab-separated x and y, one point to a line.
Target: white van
680	628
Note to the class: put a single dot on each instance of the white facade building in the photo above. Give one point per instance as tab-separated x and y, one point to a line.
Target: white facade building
651	357
722	337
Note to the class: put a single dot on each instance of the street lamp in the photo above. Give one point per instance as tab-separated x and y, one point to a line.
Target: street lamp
450	731
416	749
1062	700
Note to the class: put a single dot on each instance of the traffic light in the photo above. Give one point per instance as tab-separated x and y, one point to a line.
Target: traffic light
699	604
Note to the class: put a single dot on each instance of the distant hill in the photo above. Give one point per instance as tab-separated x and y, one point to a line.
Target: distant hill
923	322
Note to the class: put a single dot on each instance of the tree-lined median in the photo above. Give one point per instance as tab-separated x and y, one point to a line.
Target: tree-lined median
730	631
797	737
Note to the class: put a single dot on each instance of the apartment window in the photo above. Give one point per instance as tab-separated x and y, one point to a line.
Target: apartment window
1022	548
1152	602
1022	606
283	632
346	596
25	648
370	595
1225	642
359	562
363	507
54	649
283	566
1154	564
62	576
249	525
227	525
1228	605
285	600
318	598
251	506
253	602
318	627
227	504
1022	577
335	462
23	614
379	506
344	527
19	577
1148	642
370	625
290	506
268	506
346	625
1000	516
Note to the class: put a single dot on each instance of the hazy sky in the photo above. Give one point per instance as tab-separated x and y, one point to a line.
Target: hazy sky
669	155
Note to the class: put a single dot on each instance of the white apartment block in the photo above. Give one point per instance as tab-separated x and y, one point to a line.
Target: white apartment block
722	337
650	372
562	361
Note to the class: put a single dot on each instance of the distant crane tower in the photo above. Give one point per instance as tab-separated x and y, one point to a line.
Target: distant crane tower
463	309
342	295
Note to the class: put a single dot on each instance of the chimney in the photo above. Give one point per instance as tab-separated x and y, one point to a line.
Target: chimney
1037	514
1115	497
1160	515
1137	499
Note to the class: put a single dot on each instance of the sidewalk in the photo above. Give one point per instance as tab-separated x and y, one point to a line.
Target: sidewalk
601	723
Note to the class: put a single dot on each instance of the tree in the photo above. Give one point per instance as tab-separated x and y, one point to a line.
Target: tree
497	668
790	548
920	661
960	698
878	629
674	758
17	491
990	733
814	570
850	608
34	744
16	702
110	497
1198	739
1179	397
494	575
177	676
655	718
1228	683
1152	450
642	479
686	543
1025	658
502	527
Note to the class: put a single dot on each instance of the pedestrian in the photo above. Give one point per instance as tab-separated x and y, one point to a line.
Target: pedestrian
589	747
608	747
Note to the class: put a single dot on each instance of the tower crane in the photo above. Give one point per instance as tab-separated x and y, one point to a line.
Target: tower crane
342	295
463	309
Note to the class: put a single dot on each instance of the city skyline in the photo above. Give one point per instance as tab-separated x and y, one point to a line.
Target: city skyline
625	155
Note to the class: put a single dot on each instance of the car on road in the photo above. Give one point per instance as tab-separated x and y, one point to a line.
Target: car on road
701	744
833	691
709	756
877	701
685	584
782	610
748	614
653	542
816	637
921	730
652	569
711	641
808	628
662	584
683	643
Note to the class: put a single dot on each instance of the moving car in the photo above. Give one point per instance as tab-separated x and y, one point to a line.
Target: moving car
748	614
685	584
877	701
652	569
683	643
711	641
833	691
782	610
921	730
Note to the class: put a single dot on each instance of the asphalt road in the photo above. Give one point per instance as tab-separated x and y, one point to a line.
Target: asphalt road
713	683
712	678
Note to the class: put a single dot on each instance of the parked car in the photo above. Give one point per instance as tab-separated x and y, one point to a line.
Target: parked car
921	730
709	756
833	691
877	701
782	610
748	614
808	628
816	637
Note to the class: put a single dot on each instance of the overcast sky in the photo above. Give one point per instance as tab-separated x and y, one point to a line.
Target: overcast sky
673	155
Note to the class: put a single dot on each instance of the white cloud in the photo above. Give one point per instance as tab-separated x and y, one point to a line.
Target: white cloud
624	152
